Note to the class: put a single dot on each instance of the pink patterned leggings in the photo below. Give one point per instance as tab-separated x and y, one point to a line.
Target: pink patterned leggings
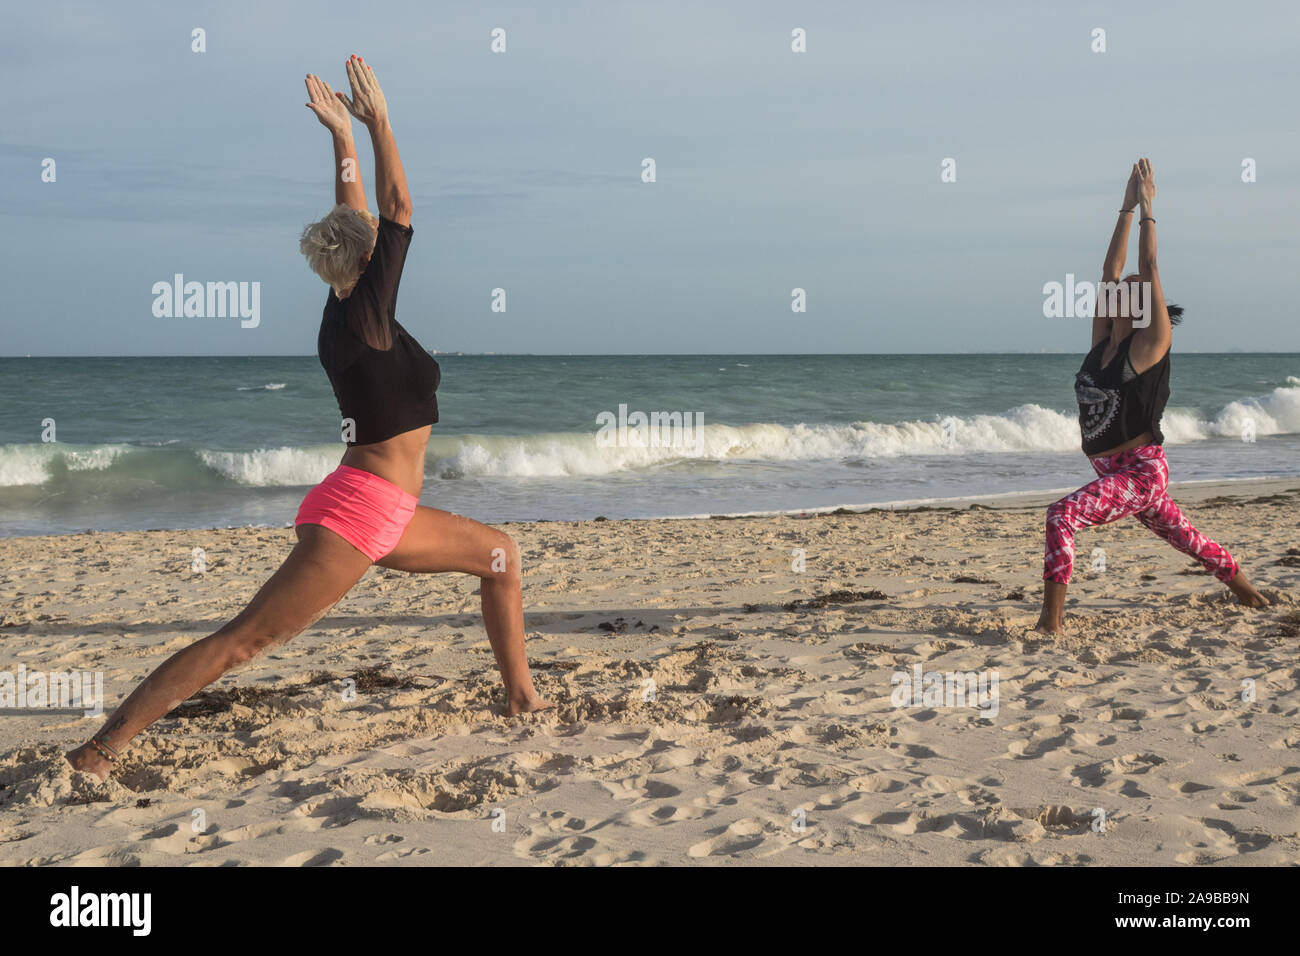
1130	483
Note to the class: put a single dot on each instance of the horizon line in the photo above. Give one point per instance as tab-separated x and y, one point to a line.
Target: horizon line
459	354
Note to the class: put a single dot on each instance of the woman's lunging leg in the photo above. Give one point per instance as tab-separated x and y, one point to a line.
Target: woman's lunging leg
320	570
1107	499
1166	520
438	541
1112	496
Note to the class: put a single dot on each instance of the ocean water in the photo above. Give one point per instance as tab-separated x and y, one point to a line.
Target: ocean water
215	442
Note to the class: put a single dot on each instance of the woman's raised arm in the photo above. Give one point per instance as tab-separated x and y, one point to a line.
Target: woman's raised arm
1116	255
1151	341
333	114
369	106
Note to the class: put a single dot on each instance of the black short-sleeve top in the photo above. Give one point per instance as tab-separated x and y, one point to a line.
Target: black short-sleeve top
384	380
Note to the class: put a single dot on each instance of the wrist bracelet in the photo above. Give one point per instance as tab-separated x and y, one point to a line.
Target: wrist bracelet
1126	212
1147	219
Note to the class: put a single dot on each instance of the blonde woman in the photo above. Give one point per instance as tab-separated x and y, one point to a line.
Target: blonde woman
366	512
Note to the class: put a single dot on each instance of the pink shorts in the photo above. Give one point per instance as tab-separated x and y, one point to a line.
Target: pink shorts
364	509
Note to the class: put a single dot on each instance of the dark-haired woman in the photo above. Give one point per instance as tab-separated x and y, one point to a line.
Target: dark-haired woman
1122	389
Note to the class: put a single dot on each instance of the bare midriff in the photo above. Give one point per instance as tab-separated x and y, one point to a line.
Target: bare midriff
399	459
1144	439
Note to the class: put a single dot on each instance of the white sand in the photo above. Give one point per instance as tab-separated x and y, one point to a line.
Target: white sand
761	716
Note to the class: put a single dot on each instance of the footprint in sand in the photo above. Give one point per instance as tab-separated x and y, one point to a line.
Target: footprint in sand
1222	840
975	825
742	836
572	846
666	813
329	857
1109	775
1038	746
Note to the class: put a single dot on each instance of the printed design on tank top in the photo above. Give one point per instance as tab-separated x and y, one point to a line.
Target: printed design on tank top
1097	406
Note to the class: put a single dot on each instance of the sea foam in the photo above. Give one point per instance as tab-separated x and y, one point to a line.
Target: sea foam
1024	429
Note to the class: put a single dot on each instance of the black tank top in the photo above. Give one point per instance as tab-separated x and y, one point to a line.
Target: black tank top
383	379
1116	404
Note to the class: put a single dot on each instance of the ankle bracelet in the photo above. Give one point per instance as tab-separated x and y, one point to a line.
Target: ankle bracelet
104	750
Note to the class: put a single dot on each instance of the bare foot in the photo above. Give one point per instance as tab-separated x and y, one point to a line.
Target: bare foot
1049	621
1247	596
89	760
528	704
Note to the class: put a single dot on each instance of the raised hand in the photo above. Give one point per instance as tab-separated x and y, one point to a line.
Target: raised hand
367	102
1146	183
1131	190
327	105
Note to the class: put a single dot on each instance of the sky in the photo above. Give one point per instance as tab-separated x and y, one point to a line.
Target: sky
775	170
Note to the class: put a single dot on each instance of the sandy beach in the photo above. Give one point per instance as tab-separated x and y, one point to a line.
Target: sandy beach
725	689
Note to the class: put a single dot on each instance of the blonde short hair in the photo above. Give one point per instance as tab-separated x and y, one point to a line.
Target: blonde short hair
335	245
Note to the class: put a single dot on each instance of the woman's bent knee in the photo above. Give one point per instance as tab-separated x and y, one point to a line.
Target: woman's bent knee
1058	514
507	562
